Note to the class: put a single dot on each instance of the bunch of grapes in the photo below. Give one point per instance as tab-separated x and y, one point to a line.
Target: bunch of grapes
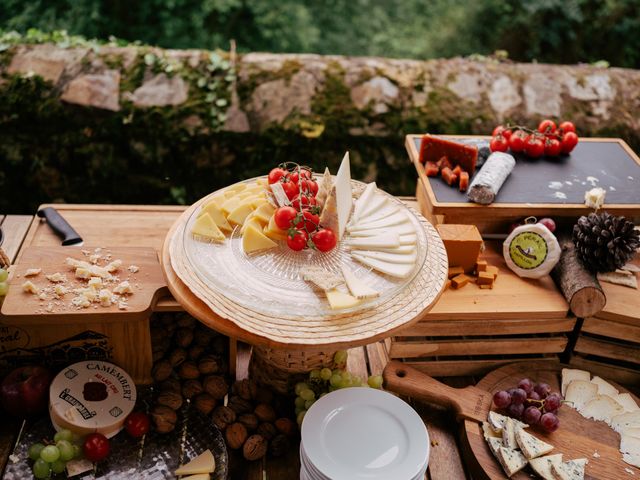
52	458
534	404
4	285
321	382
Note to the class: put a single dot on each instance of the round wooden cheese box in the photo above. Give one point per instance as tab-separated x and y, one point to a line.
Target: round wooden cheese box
91	396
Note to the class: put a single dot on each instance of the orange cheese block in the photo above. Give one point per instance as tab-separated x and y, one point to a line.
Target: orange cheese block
463	244
455	271
481	266
460	281
493	271
432	149
485	278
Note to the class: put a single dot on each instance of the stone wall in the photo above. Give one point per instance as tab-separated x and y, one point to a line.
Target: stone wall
139	124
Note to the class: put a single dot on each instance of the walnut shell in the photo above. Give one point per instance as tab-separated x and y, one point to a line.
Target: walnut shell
186	321
239	405
191	388
205	403
177	357
255	447
279	445
208	364
171	385
216	386
267	430
164	418
183	337
170	399
204	337
223	416
196	351
263	395
161	371
249	420
265	413
245	388
236	434
220	345
286	426
157	355
188	371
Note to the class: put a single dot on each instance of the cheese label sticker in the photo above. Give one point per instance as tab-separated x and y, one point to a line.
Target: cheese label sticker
528	250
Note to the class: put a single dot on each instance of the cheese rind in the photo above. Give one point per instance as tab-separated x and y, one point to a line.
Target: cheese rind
512	461
542	465
571	374
626	420
627	402
509	434
203	463
531	446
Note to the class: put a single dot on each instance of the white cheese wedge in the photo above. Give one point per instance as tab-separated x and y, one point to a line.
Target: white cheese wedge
377	203
571	470
400	250
579	392
494	445
531	446
626	420
203	463
398	218
363	201
509	434
388	209
488	432
601	407
399	270
337	208
604	387
630	446
542	465
627	402
358	287
404	229
339	300
389	257
571	374
324	187
387	240
512	461
408	239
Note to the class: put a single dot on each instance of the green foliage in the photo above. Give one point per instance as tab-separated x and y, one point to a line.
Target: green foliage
557	31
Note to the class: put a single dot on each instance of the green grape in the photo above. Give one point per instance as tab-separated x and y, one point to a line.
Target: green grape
340	358
308	404
375	381
314	374
77	451
335	379
325	373
50	453
308	394
63	434
337	371
41	469
300	416
347	380
34	451
299	402
58	466
4	289
3	275
299	409
66	450
301	386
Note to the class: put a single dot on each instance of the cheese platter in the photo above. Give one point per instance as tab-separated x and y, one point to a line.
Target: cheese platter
593	446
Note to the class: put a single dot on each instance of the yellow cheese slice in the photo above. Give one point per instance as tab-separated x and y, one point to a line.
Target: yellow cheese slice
203	463
254	240
230	205
265	212
339	300
239	214
258	202
207	229
237	188
262	181
274	232
213	209
199	476
255	221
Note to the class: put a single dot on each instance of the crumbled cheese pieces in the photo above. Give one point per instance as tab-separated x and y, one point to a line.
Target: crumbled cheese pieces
32	272
133	268
123	288
56	278
29	287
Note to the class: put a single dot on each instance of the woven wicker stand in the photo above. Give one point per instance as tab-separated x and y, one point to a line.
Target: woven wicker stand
287	346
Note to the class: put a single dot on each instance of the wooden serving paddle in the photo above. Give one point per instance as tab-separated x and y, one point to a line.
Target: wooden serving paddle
577	437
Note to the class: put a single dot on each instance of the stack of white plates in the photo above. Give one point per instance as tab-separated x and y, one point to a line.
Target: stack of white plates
362	433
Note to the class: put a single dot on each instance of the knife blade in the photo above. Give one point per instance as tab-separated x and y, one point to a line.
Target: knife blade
60	226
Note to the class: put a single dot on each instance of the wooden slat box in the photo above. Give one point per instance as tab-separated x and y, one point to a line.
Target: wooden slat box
471	331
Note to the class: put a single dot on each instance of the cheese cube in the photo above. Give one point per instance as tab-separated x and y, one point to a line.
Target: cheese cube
485	278
95	282
463	244
481	266
105	297
123	288
460	281
455	271
203	463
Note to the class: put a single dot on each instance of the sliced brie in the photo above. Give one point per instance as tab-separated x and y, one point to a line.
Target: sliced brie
626	420
579	392
404	229
389	257
542	465
385	240
627	402
604	387
571	374
601	407
531	446
357	286
396	219
400	270
363	201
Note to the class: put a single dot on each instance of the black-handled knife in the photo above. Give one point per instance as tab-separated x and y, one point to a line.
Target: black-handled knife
60	226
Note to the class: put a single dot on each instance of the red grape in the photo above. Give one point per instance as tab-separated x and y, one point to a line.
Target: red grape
526	385
502	399
515	410
531	415
531	400
549	223
552	402
542	389
549	422
518	396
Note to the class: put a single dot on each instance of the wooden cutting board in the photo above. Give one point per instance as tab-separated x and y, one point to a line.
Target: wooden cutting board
147	283
577	436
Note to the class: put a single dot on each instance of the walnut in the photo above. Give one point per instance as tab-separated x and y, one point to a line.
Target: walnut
178	356
220	345
254	448
196	351
245	388
169	399
286	426
183	337
161	371
204	337
205	403
164	418
191	388
161	346
188	371
186	321
279	445
249	420
171	385
157	355
208	364
223	416
265	413
267	430
235	434
215	386
264	395
239	405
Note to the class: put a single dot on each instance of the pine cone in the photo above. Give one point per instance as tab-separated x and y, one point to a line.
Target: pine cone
605	242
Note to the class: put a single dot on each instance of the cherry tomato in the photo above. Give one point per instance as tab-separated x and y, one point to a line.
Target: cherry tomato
276	174
569	141
311	221
284	217
324	239
305	173
567	127
533	146
290	189
547	126
516	141
303	201
308	186
552	147
293	176
298	241
96	447
137	424
501	130
499	144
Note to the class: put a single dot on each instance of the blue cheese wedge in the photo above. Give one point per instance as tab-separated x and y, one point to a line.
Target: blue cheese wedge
512	461
497	421
509	434
580	392
531	446
542	465
571	374
489	432
571	470
494	445
601	407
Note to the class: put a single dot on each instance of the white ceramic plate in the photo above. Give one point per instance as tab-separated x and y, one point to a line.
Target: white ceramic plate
363	433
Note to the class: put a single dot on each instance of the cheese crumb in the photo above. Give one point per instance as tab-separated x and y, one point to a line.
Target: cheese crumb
122	305
105	297
123	288
90	294
60	291
56	278
629	471
113	266
29	287
83	273
42	296
81	302
95	282
594	198
32	272
95	258
133	268
596	455
49	307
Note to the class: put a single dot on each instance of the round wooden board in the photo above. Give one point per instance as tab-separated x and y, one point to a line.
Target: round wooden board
577	436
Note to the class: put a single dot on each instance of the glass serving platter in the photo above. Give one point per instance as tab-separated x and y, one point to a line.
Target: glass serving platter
270	283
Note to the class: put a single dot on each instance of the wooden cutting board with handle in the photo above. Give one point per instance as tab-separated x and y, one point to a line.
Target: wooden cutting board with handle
577	436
